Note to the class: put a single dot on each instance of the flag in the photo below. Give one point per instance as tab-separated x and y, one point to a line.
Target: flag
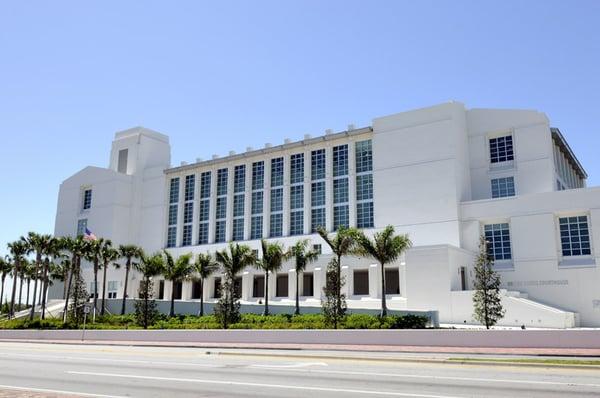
89	235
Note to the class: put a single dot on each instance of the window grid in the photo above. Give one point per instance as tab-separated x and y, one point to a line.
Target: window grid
574	236
501	149
297	222
276	172
364	187
190	182
297	168
171	236
187	235
238	229
276	200
204	210
497	237
87	199
239	178
188	212
174	190
340	160
220	231
276	225
172	215
81	226
340	190
364	156
317	219
317	168
258	175
221	206
364	184
256	227
203	233
222	182
205	184
238	206
257	202
341	217
503	187
364	215
296	197
221	211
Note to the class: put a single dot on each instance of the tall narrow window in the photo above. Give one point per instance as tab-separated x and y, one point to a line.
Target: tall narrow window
204	215
188	209
364	184
341	217
258	184
318	173
87	199
81	226
122	164
173	210
497	237
221	206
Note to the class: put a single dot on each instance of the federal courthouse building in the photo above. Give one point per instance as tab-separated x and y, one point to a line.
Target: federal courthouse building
445	175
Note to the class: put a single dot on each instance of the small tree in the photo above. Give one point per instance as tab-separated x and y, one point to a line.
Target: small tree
79	296
176	270
302	257
273	256
129	252
204	266
487	303
227	309
146	310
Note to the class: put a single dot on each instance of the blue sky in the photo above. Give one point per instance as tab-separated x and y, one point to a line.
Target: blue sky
217	76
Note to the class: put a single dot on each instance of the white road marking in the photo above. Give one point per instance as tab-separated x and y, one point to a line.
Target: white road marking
264	385
484	380
292	366
132	361
81	394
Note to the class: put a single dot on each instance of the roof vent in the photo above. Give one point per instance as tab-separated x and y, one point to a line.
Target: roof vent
351	127
287	141
268	145
215	156
183	163
328	132
307	136
249	149
231	153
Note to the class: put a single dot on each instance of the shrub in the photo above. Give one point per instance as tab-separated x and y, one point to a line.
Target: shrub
362	321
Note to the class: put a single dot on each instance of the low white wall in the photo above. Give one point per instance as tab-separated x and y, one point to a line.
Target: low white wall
443	338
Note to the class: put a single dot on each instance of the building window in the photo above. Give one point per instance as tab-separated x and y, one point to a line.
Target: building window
297	168
497	237
188	212
112	287
190	182
361	282
204	210
318	248
574	236
87	199
317	168
222	182
172	214
340	160
172	237
203	234
81	226
317	219
238	205
277	199
340	217
364	156
205	185
221	207
217	288
220	231
281	289
276	227
392	281
187	235
318	194
174	190
501	149
307	284
239	178
296	197
122	163
364	215
256	227
340	190
238	229
258	286
276	172
503	187
257	202
297	222
258	175
364	187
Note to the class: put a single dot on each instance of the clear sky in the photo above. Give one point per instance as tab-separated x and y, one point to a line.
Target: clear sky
219	76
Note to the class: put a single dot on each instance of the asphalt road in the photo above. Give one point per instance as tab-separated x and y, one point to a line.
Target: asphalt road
109	371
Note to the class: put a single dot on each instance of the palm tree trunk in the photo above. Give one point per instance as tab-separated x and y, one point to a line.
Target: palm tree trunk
95	287
2	292
14	291
383	302
38	261
297	312
44	287
27	296
73	264
125	287
172	310
201	296
103	289
146	293
20	291
338	291
266	293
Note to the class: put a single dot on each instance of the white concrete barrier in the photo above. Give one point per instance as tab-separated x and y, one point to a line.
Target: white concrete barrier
434	337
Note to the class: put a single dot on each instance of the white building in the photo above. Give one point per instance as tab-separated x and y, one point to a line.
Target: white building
444	175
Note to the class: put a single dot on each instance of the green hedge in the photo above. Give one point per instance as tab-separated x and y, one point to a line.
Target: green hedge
248	321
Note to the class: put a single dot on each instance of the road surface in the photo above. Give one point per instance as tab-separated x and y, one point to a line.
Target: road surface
56	370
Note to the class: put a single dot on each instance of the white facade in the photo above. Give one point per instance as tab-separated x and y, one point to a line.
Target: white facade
443	174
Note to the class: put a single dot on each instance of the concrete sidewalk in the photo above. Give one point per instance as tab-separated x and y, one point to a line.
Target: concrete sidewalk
339	349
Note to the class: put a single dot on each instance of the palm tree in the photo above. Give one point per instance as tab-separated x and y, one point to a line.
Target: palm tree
5	268
77	247
149	266
52	250
108	255
302	258
176	270
385	248
205	265
129	252
18	250
39	244
233	260
273	256
341	245
94	255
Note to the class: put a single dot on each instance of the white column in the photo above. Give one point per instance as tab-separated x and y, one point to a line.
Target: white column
348	275
318	282
246	285
292	284
374	281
